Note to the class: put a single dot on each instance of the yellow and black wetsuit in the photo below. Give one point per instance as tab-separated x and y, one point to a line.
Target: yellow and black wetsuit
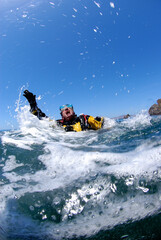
77	124
82	123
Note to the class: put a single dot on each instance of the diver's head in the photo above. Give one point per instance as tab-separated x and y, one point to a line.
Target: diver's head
67	112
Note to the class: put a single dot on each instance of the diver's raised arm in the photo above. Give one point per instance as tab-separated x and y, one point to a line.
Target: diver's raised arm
33	104
31	98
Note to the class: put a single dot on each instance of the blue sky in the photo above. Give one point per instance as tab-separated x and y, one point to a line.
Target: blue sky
102	56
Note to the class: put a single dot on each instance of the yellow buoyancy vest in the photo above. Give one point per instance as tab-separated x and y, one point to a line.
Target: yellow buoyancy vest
92	124
75	127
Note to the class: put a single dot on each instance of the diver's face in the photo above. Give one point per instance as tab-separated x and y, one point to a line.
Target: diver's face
67	113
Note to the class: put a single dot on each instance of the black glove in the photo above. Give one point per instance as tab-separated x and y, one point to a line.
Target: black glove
98	118
34	109
31	98
68	128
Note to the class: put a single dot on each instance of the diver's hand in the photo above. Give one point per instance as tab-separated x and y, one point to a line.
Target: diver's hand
31	99
98	118
68	128
30	96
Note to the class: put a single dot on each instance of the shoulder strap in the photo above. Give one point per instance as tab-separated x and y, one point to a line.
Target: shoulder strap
83	121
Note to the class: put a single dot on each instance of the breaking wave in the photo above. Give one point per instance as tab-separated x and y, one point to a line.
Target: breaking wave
68	185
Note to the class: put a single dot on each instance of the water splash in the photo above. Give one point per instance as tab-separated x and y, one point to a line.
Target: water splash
65	185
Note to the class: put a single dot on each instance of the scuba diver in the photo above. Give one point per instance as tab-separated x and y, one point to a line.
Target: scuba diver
70	121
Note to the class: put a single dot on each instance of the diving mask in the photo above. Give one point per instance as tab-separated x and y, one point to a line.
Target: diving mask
62	108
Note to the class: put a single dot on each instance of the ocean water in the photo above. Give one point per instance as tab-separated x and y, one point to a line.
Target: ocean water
103	184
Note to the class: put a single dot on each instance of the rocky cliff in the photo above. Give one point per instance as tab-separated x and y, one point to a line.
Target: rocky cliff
155	109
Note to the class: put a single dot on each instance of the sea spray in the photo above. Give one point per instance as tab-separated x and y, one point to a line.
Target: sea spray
64	185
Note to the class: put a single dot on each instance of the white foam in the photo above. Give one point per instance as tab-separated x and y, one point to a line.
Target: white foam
11	164
109	123
142	119
70	156
25	144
